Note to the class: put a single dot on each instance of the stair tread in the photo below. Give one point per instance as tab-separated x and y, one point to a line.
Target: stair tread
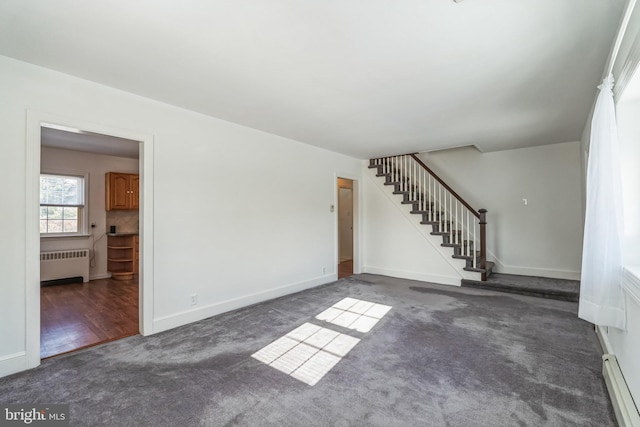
469	257
445	233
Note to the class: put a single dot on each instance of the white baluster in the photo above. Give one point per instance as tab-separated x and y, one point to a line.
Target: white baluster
416	190
451	223
405	173
394	172
408	179
473	252
402	172
419	185
401	158
450	219
467	248
413	178
392	165
457	238
432	197
440	207
423	192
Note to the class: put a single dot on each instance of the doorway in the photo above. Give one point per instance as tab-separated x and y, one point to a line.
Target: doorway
80	304
144	293
345	227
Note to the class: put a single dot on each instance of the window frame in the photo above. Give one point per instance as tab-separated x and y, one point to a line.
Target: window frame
83	210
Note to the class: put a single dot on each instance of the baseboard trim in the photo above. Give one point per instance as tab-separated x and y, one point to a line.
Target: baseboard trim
621	399
189	316
501	267
100	276
603	337
12	363
413	275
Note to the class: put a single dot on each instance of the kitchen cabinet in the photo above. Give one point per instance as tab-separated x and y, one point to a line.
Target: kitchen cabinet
122	191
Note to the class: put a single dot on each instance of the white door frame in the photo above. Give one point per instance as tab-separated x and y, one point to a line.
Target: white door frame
32	243
357	220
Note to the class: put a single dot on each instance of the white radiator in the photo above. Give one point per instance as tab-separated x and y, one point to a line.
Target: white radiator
621	399
64	264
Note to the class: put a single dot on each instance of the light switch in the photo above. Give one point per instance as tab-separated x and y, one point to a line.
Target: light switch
525	202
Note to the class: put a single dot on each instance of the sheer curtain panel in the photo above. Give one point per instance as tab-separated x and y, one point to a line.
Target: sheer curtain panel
601	298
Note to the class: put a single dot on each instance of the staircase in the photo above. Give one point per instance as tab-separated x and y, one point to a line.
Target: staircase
462	228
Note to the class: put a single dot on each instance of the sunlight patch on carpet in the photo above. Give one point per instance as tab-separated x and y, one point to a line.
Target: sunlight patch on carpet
310	351
307	353
354	314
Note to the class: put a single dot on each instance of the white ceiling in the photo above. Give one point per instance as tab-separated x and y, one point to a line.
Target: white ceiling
77	140
360	77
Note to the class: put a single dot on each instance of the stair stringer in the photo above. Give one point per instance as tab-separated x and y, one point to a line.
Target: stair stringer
437	254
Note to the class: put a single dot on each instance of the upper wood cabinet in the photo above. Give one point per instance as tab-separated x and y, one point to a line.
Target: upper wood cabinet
122	192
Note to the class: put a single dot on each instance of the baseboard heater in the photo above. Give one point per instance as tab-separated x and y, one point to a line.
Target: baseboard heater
56	266
621	399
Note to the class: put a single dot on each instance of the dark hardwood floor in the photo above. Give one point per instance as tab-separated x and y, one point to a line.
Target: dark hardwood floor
345	268
79	315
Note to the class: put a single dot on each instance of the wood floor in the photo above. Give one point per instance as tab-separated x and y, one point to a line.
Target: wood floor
345	268
78	315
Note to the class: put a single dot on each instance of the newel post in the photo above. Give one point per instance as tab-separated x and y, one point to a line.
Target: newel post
483	242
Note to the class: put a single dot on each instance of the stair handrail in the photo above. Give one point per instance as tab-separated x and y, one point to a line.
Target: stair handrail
445	185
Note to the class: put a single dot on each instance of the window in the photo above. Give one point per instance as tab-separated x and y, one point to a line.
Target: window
61	204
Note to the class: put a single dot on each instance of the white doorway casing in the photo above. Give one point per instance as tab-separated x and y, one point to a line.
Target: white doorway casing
32	238
345	223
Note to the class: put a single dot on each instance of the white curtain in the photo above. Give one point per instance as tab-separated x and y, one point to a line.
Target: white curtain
601	298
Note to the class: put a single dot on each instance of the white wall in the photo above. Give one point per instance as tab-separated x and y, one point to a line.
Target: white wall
95	165
239	215
394	242
628	114
542	238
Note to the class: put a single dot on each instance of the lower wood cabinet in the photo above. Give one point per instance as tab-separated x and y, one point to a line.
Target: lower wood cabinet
122	256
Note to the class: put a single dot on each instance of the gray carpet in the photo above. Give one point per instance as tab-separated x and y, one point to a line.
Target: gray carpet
443	356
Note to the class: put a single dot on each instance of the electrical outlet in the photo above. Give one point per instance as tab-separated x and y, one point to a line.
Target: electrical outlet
194	299
324	270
